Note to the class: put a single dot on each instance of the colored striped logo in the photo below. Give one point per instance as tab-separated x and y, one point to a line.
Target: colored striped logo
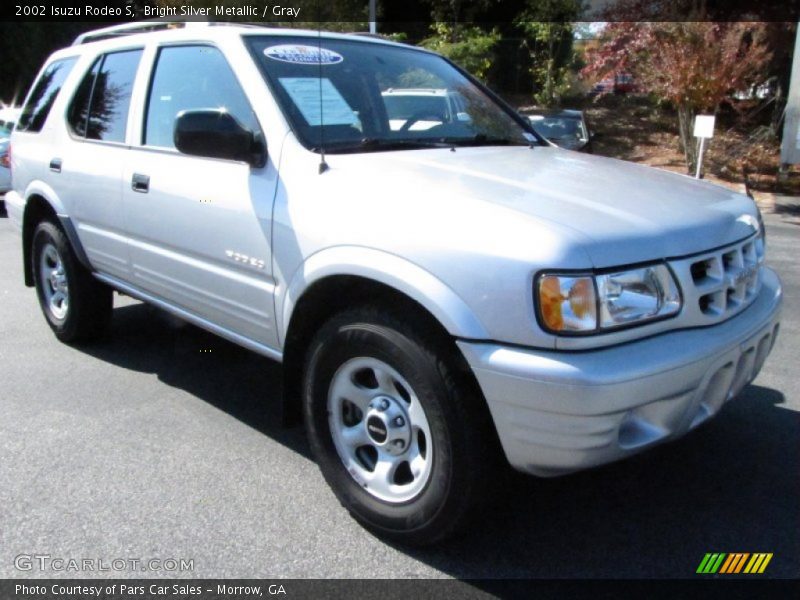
734	563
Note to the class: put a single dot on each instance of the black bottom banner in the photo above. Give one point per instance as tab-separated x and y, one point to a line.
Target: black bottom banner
386	589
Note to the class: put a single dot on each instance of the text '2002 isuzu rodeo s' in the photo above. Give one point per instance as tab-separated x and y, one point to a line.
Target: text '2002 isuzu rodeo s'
439	295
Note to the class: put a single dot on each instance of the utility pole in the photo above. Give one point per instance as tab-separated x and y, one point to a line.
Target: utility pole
373	25
790	148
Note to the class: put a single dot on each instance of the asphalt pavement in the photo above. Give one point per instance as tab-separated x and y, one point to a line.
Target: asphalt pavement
164	442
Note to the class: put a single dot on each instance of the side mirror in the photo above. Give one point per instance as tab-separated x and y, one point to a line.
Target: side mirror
215	133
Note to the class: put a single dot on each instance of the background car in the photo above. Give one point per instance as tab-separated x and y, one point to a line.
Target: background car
419	109
5	167
565	128
620	83
8	118
604	86
624	83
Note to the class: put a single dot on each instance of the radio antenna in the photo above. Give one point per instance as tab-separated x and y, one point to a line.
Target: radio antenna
323	166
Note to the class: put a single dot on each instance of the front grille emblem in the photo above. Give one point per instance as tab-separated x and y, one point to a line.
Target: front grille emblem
745	275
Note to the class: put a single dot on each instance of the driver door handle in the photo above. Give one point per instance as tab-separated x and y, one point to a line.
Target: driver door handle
140	183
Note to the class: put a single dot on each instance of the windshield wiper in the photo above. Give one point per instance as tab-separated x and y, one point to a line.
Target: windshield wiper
383	145
482	139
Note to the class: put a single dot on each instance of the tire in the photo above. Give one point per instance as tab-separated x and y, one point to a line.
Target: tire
447	443
76	306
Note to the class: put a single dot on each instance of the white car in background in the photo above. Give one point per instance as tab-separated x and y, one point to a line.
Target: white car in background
8	118
420	109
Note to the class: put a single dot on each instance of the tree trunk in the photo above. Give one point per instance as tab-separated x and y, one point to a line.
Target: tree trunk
686	115
778	107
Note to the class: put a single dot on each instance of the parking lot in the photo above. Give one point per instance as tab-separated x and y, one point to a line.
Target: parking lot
165	442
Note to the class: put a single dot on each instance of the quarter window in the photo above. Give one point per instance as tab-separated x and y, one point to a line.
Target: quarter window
44	95
99	110
78	114
192	78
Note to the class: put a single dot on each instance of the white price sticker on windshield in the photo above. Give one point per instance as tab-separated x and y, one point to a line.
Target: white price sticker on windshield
319	101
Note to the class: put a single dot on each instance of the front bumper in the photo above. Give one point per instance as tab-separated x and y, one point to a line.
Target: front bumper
557	412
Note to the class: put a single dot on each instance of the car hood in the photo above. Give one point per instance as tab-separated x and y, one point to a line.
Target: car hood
619	212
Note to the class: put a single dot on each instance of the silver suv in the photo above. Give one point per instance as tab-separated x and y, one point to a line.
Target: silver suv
443	299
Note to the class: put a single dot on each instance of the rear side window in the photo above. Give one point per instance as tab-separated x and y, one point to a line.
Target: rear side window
191	78
78	114
99	110
44	95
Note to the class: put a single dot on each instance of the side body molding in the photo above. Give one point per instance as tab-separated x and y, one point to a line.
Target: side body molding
404	276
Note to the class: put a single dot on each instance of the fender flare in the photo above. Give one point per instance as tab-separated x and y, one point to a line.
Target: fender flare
40	188
406	277
48	194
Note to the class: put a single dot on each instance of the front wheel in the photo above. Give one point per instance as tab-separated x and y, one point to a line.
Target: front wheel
398	430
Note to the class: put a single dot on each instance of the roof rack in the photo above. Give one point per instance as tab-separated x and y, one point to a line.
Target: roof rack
134	28
151	25
377	36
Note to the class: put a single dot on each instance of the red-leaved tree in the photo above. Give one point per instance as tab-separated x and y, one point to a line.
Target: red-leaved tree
694	65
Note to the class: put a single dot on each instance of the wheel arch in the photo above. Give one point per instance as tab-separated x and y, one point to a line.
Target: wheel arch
321	290
382	268
41	203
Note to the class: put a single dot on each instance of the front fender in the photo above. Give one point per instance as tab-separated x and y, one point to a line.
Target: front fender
406	277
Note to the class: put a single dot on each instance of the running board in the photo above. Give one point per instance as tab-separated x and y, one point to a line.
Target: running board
229	335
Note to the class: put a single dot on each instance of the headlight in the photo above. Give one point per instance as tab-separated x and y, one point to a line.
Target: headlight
582	304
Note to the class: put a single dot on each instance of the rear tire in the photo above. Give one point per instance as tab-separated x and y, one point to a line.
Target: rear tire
400	433
76	306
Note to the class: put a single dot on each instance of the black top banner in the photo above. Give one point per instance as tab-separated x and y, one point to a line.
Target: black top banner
399	11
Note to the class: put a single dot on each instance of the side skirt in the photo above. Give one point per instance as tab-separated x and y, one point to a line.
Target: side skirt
229	335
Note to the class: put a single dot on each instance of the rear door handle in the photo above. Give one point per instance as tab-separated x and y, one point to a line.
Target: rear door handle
55	165
140	183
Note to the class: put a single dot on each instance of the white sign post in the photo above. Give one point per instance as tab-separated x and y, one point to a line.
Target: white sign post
790	148
703	129
373	21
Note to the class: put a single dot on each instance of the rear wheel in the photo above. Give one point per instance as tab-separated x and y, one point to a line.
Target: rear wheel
398	431
77	306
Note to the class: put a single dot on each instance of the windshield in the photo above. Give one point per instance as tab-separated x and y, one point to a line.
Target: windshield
351	96
559	128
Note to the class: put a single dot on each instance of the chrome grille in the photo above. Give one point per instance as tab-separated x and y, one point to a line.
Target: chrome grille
719	284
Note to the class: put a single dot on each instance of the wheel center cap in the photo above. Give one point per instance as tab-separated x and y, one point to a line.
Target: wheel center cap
58	281
388	425
377	429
